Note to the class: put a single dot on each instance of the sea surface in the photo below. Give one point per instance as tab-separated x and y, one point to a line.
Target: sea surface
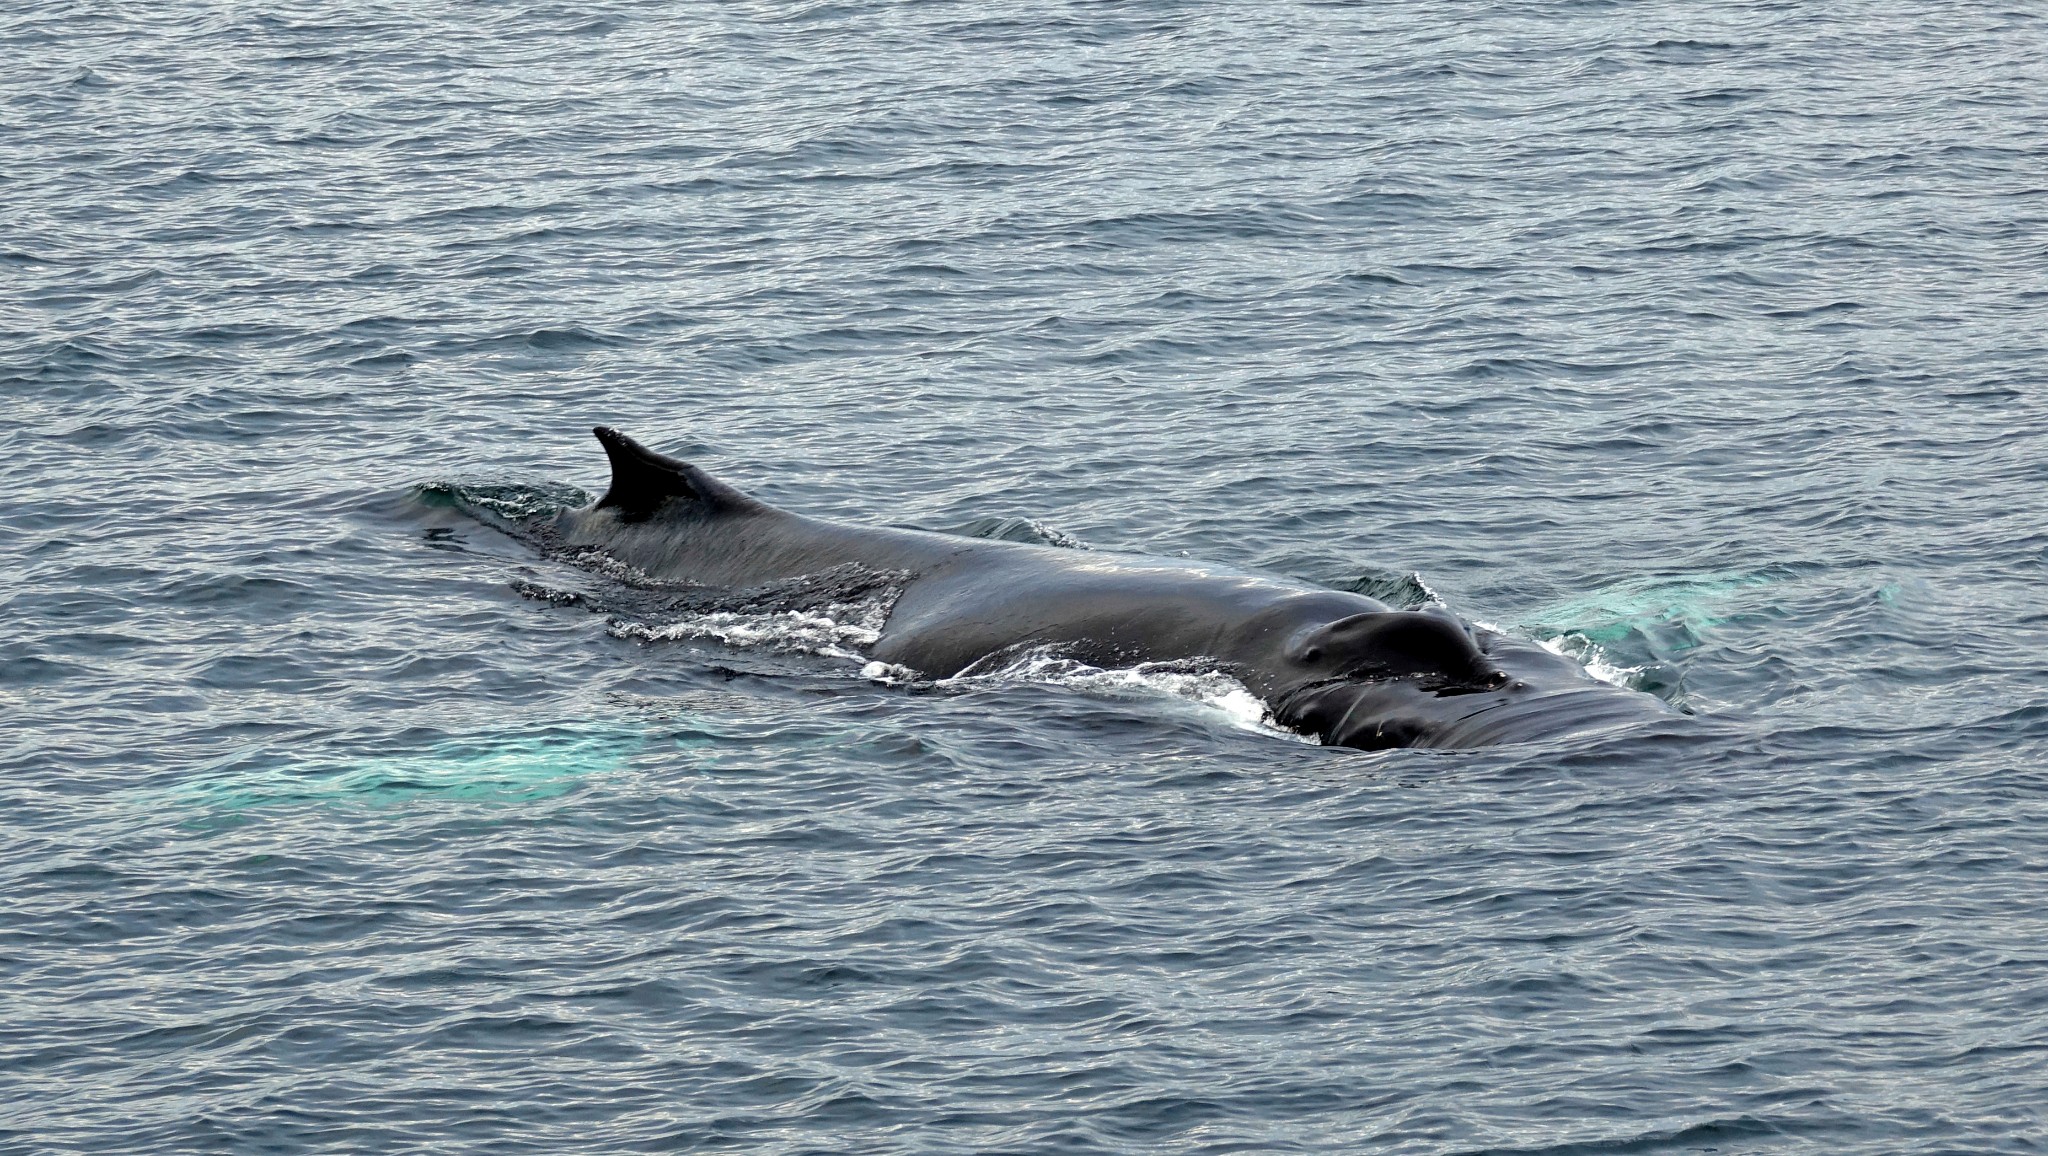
1704	342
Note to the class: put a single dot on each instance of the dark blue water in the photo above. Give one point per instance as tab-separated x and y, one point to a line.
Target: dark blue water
1702	341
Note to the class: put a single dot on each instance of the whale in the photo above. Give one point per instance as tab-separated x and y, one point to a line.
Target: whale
1339	666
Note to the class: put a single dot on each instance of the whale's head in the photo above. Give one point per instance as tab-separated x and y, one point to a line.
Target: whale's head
1420	678
1384	678
1429	647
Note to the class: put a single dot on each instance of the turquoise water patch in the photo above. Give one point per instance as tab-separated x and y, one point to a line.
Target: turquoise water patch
1677	612
505	768
1630	634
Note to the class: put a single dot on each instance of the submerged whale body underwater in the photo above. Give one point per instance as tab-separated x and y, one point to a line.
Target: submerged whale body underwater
1340	666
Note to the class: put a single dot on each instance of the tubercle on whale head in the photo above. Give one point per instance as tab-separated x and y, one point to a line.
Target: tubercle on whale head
1344	713
1429	646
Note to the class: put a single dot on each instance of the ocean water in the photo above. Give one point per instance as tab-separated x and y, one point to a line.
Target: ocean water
1701	341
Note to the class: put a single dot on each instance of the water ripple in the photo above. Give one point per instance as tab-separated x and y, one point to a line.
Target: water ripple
1699	341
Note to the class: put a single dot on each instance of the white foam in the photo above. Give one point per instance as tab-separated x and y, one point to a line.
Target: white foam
610	567
888	673
1212	692
1581	650
811	633
1588	654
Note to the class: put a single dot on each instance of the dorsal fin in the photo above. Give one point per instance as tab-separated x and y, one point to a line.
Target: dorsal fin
642	480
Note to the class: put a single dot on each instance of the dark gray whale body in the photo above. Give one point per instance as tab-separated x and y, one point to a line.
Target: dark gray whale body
1337	665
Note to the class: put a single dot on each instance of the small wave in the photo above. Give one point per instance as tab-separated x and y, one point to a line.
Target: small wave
510	501
1027	530
1403	591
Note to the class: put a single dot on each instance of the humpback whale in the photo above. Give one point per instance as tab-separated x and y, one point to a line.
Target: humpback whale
1340	666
